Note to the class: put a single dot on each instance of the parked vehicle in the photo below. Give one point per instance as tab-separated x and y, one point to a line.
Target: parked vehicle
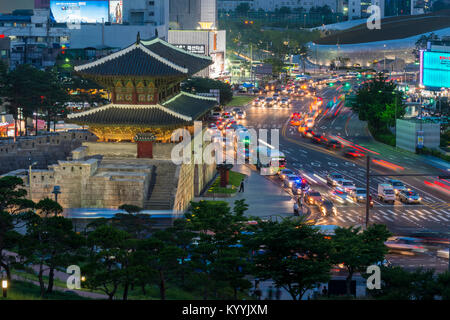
386	193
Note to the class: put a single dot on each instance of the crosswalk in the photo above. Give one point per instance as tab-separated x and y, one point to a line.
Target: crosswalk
381	215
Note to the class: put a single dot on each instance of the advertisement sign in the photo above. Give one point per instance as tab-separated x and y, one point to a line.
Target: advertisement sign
116	11
435	69
419	139
87	11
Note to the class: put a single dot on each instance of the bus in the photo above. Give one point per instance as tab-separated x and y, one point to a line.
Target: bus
269	161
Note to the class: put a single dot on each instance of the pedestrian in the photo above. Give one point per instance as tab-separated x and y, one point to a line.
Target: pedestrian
325	291
270	293
241	187
296	212
278	293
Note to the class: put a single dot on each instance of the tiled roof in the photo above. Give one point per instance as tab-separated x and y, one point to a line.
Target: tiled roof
136	60
178	111
130	115
190	105
193	62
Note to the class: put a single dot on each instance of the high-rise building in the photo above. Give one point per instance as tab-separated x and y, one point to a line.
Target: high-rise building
8	6
187	14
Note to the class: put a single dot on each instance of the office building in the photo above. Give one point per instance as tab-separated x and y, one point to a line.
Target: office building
187	14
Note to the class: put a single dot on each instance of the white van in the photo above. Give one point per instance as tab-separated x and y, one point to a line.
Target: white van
386	192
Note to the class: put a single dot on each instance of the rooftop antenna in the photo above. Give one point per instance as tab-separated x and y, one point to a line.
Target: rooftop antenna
138	38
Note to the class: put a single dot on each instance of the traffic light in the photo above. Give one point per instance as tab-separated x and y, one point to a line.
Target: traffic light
331	84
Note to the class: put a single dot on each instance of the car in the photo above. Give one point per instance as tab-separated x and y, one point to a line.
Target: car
313	197
386	193
295	120
339	194
327	208
307	133
258	100
359	194
284	172
443	253
216	116
397	185
284	103
309	122
410	244
241	115
409	196
268	102
318	138
301	186
350	152
333	178
333	144
346	185
290	180
234	111
212	126
276	97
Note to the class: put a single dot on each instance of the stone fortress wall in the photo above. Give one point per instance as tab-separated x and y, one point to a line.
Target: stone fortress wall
107	175
45	149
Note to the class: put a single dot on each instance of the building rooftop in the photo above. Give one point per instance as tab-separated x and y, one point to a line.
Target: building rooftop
181	110
156	58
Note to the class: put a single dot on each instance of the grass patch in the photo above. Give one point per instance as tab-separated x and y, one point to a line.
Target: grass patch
433	152
22	290
235	181
240	101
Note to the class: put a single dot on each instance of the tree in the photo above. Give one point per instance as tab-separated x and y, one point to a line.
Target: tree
356	250
48	207
291	253
111	251
304	54
242	8
12	195
49	243
377	102
139	226
160	259
443	285
217	256
400	284
9	238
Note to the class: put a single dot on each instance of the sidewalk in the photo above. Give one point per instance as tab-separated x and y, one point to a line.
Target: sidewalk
265	197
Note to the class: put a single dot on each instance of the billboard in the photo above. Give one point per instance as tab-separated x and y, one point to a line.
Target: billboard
115	11
87	11
435	69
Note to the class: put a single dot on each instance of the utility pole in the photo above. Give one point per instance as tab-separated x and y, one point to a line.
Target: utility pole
367	190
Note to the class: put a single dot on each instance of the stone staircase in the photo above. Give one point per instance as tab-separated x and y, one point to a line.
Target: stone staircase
162	185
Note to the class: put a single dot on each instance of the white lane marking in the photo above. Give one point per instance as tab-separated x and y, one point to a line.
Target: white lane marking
390	211
427	217
338	217
441	213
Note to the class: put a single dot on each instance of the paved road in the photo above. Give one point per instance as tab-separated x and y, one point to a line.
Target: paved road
315	162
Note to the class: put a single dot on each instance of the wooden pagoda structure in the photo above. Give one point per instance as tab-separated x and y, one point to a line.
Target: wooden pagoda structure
144	86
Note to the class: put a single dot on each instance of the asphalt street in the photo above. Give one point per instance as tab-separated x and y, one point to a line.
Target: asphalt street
314	162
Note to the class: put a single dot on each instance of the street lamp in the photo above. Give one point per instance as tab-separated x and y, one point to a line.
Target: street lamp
56	191
5	287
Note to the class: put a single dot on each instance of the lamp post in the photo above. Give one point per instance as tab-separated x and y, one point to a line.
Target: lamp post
5	288
56	191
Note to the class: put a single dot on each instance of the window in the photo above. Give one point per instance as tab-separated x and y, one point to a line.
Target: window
151	3
151	14
38	25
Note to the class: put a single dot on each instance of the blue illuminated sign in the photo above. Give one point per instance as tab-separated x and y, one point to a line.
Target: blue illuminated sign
435	68
87	11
